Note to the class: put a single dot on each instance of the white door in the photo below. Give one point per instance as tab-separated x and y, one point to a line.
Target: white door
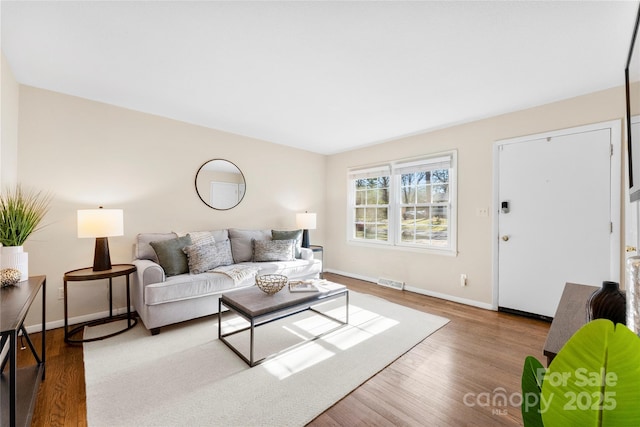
224	195
556	225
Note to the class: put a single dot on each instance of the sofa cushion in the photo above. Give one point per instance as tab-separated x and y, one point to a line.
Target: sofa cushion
207	256
143	249
273	250
241	246
170	255
289	235
187	286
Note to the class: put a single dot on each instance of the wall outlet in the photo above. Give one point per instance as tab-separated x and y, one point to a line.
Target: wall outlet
463	280
60	293
484	212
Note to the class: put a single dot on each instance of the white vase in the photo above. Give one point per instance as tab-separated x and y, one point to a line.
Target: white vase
15	257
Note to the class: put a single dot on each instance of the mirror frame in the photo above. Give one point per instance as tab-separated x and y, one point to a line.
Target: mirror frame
244	180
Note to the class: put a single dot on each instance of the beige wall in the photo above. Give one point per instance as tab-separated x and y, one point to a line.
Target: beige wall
439	274
9	130
90	154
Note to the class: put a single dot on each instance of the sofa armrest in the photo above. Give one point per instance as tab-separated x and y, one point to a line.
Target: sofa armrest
148	272
306	253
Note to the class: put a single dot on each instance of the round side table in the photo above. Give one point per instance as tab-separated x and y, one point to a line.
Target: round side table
87	274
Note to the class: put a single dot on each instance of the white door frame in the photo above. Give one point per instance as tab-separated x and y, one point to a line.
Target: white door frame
615	127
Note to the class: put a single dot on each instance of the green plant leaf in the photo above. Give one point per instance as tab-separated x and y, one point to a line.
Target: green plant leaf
595	379
532	375
21	212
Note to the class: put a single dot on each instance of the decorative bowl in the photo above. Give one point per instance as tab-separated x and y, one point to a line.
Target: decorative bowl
271	283
9	276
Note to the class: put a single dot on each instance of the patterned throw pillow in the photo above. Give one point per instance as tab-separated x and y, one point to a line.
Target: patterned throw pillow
273	250
289	235
170	256
205	257
201	237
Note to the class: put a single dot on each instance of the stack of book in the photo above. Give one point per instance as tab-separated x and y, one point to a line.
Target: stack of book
310	285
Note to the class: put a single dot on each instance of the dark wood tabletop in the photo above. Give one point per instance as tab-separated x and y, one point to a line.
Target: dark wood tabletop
254	302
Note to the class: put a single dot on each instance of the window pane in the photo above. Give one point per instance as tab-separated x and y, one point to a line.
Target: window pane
408	195
422	194
439	176
440	225
440	193
370	231
360	197
408	213
382	197
408	231
382	214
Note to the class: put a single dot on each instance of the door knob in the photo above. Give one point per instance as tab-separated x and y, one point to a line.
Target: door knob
505	238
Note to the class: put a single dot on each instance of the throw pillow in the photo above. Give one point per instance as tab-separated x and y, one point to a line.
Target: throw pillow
273	250
289	235
205	257
241	246
201	237
170	256
143	249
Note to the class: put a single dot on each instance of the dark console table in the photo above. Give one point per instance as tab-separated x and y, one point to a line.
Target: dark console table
19	387
571	315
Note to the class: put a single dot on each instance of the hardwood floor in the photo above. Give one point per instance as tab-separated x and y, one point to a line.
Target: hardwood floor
449	379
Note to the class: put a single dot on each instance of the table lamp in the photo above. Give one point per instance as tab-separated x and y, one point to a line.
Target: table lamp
306	221
101	224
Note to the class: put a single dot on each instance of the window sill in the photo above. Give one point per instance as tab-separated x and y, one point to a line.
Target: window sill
379	245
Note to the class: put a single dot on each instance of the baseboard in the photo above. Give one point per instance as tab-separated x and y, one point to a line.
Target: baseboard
421	291
76	320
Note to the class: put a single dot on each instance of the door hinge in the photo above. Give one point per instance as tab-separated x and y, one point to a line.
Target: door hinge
610	150
611	227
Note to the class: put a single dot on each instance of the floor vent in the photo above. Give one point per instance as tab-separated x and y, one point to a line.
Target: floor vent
391	283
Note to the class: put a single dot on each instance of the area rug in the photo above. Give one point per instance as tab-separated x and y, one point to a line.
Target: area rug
185	376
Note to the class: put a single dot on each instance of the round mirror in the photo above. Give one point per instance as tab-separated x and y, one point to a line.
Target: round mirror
220	184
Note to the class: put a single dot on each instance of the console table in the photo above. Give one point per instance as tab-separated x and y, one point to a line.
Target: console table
571	315
19	387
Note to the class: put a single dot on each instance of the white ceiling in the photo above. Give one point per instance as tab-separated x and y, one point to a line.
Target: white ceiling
321	76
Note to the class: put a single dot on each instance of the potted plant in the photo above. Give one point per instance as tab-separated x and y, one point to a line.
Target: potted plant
593	381
21	212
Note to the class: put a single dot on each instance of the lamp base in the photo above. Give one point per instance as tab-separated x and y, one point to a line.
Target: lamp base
305	238
101	257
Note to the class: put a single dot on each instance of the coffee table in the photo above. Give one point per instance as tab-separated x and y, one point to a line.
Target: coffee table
259	308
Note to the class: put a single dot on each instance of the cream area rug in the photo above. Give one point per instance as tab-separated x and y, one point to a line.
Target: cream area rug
185	376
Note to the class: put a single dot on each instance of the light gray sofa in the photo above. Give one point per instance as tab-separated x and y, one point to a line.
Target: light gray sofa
165	297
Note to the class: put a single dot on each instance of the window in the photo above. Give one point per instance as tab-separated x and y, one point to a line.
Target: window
408	203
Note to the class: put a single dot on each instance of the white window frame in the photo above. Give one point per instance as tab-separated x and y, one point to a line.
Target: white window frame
394	227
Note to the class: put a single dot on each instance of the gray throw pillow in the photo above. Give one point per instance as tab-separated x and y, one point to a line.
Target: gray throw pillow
170	256
273	250
289	235
241	246
205	257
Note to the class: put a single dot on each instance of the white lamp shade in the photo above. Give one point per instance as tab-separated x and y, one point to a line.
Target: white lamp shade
306	221
100	222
